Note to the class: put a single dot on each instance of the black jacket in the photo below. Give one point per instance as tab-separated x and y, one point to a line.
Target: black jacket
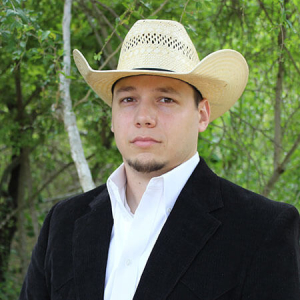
220	242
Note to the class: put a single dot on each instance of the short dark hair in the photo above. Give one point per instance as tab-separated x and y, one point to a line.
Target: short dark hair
197	96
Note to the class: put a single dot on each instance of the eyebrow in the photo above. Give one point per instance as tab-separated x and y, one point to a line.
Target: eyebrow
125	89
129	88
167	89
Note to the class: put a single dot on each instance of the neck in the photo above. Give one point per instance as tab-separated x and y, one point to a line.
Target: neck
136	186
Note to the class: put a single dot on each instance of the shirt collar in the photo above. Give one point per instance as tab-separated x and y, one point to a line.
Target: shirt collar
175	180
172	183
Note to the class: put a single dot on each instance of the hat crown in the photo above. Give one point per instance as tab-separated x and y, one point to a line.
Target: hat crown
158	44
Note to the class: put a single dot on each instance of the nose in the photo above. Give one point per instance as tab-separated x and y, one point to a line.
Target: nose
145	116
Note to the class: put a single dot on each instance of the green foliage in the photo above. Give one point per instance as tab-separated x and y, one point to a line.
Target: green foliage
238	146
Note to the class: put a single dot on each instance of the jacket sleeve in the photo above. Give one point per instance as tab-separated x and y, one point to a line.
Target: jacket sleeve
274	272
35	284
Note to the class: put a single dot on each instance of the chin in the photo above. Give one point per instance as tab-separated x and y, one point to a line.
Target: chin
146	166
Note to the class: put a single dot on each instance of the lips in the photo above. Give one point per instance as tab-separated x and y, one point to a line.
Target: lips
144	142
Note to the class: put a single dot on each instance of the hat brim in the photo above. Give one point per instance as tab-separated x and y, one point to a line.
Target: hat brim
221	77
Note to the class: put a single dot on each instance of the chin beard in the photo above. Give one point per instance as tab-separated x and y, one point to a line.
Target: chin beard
147	167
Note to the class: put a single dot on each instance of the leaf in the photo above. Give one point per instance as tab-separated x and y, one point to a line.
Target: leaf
60	52
291	25
45	35
52	35
66	76
136	14
148	5
22	15
98	56
23	44
11	12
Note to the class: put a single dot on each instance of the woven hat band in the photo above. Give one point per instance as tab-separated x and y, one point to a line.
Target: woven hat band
165	45
154	69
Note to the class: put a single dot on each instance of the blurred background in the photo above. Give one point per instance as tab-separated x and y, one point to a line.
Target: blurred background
51	141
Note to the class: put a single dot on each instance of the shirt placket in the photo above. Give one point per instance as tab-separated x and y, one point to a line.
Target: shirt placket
135	244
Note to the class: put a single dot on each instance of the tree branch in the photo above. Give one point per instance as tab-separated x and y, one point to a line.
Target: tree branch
292	59
34	94
184	10
266	12
113	12
280	168
159	8
102	16
89	14
44	185
6	173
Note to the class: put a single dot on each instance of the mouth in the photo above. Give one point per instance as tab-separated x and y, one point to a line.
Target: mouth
144	142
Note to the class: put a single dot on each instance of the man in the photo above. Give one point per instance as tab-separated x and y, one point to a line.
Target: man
165	226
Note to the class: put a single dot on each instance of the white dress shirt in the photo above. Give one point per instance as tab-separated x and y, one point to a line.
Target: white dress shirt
134	235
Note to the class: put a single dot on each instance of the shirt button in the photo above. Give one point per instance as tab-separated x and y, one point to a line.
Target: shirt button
169	210
128	262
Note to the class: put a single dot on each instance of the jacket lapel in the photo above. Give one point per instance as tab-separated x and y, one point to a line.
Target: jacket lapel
90	248
187	230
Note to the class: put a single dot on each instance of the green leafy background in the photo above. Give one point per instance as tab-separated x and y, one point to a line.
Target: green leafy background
239	146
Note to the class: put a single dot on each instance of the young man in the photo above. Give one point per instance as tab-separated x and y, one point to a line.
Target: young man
165	226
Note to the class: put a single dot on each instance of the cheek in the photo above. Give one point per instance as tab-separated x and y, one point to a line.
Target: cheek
120	128
119	121
186	129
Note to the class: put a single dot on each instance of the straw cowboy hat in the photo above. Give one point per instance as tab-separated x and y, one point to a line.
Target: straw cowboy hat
163	48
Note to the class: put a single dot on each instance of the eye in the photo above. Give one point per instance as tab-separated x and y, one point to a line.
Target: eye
127	100
166	100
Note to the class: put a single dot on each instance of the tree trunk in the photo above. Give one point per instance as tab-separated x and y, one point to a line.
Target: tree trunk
9	199
82	167
280	162
278	101
21	196
8	204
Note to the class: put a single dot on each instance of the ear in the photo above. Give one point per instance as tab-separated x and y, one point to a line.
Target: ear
112	127
204	113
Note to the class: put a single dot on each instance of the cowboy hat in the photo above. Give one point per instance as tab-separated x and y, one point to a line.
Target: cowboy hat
163	48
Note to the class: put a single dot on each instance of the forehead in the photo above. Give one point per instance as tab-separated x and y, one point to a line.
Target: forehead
151	82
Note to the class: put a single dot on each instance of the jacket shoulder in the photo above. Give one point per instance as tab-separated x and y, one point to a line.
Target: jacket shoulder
79	204
62	216
234	194
253	212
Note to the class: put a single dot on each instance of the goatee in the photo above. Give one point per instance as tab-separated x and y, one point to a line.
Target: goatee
148	167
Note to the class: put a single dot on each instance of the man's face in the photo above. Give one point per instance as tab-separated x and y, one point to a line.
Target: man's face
156	122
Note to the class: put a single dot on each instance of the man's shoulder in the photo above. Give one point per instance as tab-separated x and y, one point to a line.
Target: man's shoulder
79	204
250	204
234	197
60	221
